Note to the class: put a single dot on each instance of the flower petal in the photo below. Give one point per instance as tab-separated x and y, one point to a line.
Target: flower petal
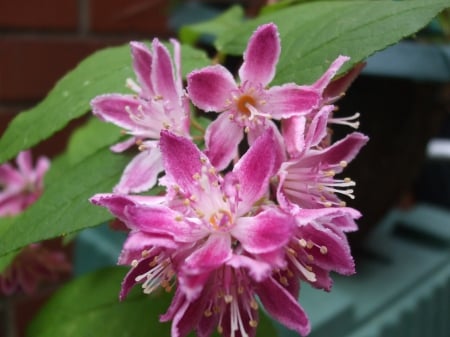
142	65
161	220
210	88
181	158
268	231
254	170
283	307
163	77
115	108
261	55
326	78
141	173
258	270
290	100
212	254
222	138
343	150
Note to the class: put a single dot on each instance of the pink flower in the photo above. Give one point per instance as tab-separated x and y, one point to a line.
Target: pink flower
219	238
319	246
308	179
32	266
35	263
249	105
21	186
159	104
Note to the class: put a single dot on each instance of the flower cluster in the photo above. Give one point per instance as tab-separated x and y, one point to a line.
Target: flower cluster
233	229
19	188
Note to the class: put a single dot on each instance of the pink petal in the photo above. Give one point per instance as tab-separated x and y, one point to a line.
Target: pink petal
254	170
336	88
25	163
258	270
268	231
117	203
141	173
338	257
290	100
162	221
222	138
163	77
326	78
181	158
261	55
130	279
210	88
283	307
113	108
343	150
122	146
211	255
342	217
142	65
9	176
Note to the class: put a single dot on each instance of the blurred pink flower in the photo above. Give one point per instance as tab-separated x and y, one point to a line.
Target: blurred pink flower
21	187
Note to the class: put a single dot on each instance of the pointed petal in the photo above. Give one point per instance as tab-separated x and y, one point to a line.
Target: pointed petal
130	279
283	307
163	221
258	270
343	150
341	217
10	176
117	203
141	173
222	138
181	158
268	231
142	65
116	108
25	163
261	55
212	254
326	78
211	87
163	77
338	87
254	170
122	146
290	100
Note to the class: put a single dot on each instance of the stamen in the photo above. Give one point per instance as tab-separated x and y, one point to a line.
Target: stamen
350	121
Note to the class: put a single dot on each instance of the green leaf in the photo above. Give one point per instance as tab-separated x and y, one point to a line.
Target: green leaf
64	208
103	72
89	307
314	34
227	21
99	312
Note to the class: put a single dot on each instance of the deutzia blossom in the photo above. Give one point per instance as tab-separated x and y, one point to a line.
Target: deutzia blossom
159	104
19	188
218	238
248	105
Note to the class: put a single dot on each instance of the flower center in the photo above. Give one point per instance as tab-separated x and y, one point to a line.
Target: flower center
221	220
243	102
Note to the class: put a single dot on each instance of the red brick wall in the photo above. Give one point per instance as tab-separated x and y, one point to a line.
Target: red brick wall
40	40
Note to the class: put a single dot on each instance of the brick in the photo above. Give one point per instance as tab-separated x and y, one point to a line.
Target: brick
130	16
39	14
30	66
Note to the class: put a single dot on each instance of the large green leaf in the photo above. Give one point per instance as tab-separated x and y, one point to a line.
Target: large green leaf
103	72
89	306
64	207
314	34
